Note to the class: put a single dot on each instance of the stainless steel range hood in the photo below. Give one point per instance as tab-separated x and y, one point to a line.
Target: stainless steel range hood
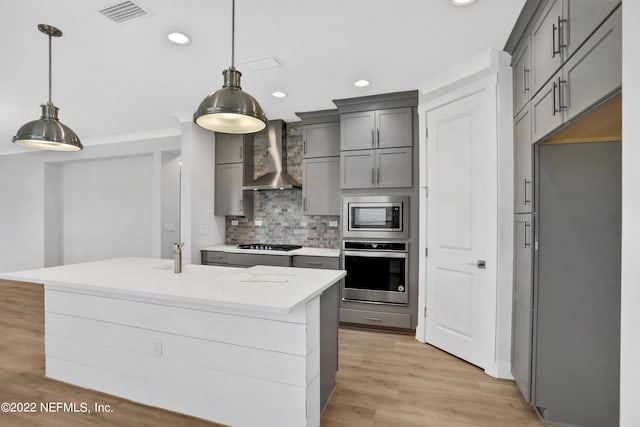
277	177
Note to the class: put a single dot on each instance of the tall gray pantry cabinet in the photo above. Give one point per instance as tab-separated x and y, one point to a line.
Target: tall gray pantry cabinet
566	61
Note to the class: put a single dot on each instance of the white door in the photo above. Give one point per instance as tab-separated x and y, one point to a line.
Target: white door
462	226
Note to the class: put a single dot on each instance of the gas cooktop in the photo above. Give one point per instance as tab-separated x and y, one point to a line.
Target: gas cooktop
268	246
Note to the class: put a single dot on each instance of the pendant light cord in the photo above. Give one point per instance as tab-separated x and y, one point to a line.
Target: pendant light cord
233	32
50	68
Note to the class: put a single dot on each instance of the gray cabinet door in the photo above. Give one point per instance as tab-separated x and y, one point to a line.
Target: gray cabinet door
328	263
545	112
213	257
321	186
357	169
546	55
321	140
229	195
357	130
523	160
249	260
582	18
394	128
229	148
521	66
393	167
522	327
595	71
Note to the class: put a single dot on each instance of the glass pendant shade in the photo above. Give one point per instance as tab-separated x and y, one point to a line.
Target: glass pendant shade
48	133
230	110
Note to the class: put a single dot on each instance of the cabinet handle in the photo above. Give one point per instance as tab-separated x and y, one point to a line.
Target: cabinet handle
241	152
561	105
240	206
373	319
304	147
525	89
561	33
378	175
373	138
553	41
526	182
378	137
314	263
304	203
526	233
555	109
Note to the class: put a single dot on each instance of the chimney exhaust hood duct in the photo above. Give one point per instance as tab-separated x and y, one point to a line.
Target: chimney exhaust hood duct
277	177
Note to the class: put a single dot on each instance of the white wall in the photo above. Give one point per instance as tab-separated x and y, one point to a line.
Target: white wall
107	205
199	226
170	213
630	315
24	189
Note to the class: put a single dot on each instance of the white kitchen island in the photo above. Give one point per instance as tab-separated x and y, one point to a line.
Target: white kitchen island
235	346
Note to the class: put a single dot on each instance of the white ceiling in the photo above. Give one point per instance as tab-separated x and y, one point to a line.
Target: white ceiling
113	79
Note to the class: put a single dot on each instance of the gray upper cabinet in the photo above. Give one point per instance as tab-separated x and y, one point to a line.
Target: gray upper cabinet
393	167
357	169
394	128
545	44
546	114
234	166
321	140
521	66
522	331
595	71
357	130
376	129
523	162
559	32
229	148
230	199
386	167
582	18
321	189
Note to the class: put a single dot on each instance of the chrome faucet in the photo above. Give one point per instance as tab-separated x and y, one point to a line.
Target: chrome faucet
177	257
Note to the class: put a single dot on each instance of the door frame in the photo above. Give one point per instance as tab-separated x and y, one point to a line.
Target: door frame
490	70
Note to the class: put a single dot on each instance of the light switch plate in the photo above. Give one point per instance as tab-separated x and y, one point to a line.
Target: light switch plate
234	222
333	223
258	222
204	229
169	226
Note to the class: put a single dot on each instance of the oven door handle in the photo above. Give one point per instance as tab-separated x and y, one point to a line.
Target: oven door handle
374	254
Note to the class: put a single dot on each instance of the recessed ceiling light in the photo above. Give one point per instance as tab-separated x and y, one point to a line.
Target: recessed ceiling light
362	83
178	38
278	94
462	2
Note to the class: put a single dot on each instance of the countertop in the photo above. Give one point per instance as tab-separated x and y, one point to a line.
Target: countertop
326	252
261	288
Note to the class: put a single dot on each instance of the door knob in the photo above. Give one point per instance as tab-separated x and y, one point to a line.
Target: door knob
480	263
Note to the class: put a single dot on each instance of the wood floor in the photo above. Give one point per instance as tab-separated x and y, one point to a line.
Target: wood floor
385	379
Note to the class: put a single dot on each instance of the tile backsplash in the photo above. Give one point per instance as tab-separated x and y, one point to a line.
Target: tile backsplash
281	210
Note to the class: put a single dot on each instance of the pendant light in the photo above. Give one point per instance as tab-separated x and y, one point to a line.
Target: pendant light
48	133
230	110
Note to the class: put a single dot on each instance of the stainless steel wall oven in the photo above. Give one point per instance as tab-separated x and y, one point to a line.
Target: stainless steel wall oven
377	272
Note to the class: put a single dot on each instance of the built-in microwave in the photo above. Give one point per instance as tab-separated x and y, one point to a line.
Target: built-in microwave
375	217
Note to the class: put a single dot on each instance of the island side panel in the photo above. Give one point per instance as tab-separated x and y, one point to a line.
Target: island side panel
223	367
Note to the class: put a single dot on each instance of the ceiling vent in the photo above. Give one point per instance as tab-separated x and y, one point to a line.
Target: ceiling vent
123	12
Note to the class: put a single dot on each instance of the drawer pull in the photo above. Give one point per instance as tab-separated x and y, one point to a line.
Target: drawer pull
373	319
